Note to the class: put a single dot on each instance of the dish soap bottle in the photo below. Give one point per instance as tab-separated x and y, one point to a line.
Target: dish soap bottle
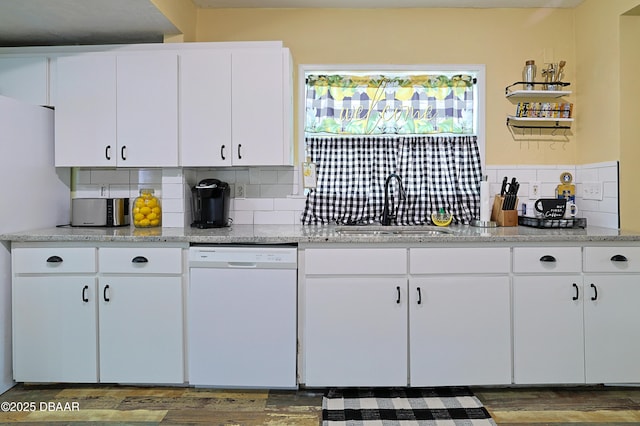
146	211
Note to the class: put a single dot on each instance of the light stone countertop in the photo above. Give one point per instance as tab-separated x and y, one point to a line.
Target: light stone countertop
279	234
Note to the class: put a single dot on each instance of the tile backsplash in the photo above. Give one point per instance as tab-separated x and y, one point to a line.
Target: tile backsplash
272	193
603	212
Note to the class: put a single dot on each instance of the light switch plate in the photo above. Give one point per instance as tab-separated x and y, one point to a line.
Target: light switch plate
535	190
592	191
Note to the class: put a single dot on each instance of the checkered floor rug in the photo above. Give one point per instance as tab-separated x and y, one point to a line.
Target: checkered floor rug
403	407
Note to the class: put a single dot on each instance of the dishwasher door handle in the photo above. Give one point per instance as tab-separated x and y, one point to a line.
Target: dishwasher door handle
242	265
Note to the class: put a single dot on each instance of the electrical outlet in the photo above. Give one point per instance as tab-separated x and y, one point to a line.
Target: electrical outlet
535	190
104	191
241	190
592	191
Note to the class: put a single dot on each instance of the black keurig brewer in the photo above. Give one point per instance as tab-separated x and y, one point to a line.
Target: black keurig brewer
210	204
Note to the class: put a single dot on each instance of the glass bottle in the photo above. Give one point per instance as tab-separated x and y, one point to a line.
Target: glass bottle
529	74
146	212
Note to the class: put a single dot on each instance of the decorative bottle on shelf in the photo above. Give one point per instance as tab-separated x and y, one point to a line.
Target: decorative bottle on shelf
529	74
147	212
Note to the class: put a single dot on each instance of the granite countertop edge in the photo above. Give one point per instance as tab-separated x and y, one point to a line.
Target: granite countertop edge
299	234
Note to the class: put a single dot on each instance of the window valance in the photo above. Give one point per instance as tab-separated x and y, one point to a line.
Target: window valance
380	104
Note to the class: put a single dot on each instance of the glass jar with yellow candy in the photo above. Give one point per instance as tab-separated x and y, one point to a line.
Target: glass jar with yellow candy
146	211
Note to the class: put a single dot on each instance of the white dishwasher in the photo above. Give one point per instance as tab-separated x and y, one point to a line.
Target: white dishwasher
241	319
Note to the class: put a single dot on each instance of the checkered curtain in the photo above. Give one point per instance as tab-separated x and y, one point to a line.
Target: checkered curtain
436	172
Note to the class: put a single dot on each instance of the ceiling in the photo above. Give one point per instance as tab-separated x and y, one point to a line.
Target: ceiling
75	22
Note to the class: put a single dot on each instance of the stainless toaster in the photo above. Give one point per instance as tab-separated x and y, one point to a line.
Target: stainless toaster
100	212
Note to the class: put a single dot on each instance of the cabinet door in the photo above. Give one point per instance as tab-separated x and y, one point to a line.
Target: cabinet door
85	118
355	332
25	78
612	334
258	107
54	329
242	328
147	110
460	332
141	338
205	109
548	338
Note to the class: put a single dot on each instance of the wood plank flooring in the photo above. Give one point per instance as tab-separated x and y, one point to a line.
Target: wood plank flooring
135	405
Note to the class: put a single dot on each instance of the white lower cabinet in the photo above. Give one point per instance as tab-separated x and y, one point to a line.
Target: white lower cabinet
611	314
459	323
356	331
74	322
548	334
362	327
54	329
54	309
548	329
355	317
141	330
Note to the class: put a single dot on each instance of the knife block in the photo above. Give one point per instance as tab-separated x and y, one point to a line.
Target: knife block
503	217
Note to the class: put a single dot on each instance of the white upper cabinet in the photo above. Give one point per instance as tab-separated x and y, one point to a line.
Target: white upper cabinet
147	107
261	107
85	130
117	110
205	108
235	107
25	78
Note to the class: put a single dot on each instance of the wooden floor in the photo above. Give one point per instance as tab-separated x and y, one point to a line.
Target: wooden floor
84	404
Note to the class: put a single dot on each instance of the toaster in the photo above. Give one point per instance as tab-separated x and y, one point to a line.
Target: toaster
100	212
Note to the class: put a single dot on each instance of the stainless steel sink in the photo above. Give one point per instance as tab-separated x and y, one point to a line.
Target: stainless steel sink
391	230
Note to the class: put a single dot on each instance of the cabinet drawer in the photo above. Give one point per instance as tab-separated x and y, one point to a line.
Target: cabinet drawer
123	260
612	259
355	261
52	260
547	259
459	260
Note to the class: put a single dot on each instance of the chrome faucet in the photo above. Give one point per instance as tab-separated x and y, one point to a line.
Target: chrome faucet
387	215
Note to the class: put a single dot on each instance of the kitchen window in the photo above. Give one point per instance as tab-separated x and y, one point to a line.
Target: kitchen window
424	125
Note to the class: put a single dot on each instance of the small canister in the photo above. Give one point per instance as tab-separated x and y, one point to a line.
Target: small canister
529	74
146	211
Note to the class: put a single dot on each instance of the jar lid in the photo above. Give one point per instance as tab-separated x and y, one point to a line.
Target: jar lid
530	62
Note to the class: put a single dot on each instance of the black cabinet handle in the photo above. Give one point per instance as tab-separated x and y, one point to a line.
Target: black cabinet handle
547	258
619	258
595	292
104	293
419	296
139	259
123	152
107	152
54	259
84	293
577	292
222	152
239	153
398	289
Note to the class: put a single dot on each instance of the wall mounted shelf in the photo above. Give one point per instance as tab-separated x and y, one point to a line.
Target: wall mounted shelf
539	92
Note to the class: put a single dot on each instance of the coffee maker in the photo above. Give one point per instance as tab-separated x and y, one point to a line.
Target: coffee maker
210	204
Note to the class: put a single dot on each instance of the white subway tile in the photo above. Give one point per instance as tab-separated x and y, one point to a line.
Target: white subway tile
172	176
172	190
268	176
264	204
242	217
172	205
146	176
289	203
119	191
255	175
608	174
273	217
286	176
83	176
91	191
172	220
100	176
275	191
242	176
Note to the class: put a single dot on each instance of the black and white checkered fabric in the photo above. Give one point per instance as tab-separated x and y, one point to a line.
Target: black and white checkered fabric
436	172
404	407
